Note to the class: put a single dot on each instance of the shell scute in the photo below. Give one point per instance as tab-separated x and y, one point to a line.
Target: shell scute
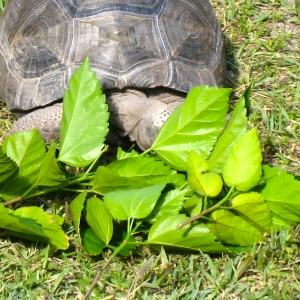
131	43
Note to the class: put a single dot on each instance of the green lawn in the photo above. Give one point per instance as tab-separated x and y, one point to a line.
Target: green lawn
263	49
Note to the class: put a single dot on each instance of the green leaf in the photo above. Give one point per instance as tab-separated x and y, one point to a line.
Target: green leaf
90	241
99	219
85	119
235	128
194	125
193	205
168	204
133	173
50	174
51	225
133	204
191	237
282	193
243	166
27	150
234	230
21	227
271	172
122	154
254	209
33	223
14	188
202	182
107	181
211	183
279	223
196	164
140	166
8	167
76	207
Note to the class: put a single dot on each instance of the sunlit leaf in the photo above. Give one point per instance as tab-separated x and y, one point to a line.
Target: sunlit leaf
282	194
254	209
21	227
193	205
8	167
107	181
85	119
143	166
191	237
133	204
133	173
279	223
50	174
33	223
235	128
196	164
234	230
212	184
168	204
243	166
200	180
51	225
27	150
122	154
194	125
36	167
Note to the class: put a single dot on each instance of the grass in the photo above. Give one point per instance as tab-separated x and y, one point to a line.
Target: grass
262	42
271	272
263	50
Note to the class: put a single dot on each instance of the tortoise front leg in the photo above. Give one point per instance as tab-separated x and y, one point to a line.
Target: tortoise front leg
47	120
132	114
139	117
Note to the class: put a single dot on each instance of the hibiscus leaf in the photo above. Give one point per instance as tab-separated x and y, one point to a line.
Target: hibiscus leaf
84	124
195	125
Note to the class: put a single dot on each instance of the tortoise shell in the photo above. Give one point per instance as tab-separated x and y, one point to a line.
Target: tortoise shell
131	43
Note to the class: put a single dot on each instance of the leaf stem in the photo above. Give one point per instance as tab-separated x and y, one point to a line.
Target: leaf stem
105	148
49	190
13	201
73	190
207	211
147	151
183	186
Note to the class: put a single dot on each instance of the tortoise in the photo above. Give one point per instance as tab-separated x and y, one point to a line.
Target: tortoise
147	54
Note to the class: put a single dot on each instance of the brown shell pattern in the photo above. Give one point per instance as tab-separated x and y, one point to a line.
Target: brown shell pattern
131	43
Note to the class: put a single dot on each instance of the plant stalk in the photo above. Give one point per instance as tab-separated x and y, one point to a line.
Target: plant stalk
207	211
52	189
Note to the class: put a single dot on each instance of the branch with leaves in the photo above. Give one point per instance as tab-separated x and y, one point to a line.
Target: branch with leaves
200	187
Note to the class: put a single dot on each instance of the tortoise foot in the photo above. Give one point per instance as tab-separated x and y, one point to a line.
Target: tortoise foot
47	120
